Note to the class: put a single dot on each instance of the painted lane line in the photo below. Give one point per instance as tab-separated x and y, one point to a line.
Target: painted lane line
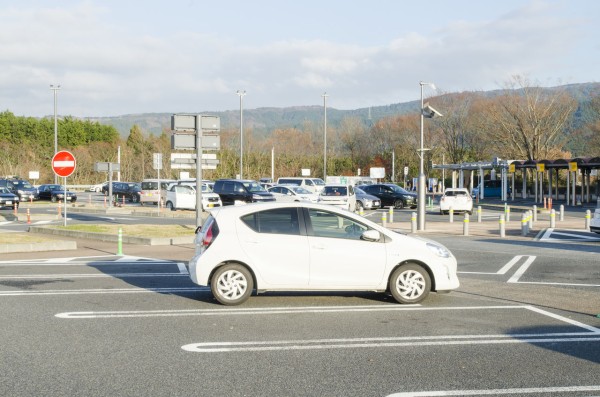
344	344
83	275
236	311
492	392
563	319
103	291
182	268
515	278
504	269
564	284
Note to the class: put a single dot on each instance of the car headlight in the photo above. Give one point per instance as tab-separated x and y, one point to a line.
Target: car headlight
439	250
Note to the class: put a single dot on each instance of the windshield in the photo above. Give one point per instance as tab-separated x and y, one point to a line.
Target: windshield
23	185
398	189
300	190
4	190
359	190
254	187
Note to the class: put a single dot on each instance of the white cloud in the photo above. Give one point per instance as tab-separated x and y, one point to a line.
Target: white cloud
109	69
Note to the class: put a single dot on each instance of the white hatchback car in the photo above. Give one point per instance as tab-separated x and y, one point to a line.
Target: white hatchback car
301	246
457	199
289	193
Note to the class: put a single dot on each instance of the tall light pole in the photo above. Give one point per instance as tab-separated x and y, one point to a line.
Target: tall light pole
55	88
421	186
241	95
324	135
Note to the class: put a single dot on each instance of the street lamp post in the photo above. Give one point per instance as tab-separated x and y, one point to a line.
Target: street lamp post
324	135
421	183
55	88
241	95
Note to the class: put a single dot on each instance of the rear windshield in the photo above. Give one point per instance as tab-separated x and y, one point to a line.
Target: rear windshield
296	182
335	191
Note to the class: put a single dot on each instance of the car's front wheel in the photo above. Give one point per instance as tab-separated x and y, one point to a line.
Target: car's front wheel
399	204
359	206
53	199
410	283
232	284
169	206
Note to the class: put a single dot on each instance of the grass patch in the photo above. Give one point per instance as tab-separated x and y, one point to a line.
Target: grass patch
136	230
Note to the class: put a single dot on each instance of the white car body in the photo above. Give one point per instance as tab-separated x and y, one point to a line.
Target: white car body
330	250
183	197
289	193
595	221
457	199
342	196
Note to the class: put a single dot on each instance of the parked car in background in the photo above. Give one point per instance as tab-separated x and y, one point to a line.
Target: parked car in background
287	193
183	196
98	188
129	191
55	192
342	196
595	221
21	188
315	185
366	201
150	193
8	198
241	191
240	249
392	195
457	199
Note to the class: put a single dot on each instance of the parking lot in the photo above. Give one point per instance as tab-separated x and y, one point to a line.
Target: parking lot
523	322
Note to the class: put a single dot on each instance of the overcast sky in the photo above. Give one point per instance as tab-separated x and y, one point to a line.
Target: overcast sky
115	57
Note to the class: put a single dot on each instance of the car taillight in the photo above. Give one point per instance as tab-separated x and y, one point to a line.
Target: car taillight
207	239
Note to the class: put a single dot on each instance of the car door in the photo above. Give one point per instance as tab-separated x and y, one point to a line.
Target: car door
277	247
339	259
185	197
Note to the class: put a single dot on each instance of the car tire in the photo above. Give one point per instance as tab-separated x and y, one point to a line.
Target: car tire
53	199
359	206
410	283
169	206
232	284
399	204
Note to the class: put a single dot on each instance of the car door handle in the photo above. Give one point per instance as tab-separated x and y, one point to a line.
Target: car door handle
318	247
252	241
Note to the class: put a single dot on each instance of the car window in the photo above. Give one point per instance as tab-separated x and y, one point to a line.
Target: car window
276	221
335	191
319	182
328	224
253	187
300	190
309	182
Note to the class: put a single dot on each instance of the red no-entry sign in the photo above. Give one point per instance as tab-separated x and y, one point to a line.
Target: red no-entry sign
63	163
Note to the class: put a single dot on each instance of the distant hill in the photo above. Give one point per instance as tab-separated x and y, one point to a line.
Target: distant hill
264	120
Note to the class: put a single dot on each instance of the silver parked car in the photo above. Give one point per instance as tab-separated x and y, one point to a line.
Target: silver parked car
366	201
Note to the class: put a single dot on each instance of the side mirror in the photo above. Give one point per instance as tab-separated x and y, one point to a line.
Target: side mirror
371	235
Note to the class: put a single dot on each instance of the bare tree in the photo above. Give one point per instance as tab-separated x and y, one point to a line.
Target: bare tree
528	122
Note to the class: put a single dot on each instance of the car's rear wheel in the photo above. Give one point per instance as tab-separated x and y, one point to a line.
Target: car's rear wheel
232	284
410	283
53	199
399	204
169	206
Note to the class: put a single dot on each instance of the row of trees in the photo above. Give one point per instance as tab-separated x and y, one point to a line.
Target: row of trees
522	121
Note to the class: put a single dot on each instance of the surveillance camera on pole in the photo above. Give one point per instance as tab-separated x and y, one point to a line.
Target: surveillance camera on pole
429	112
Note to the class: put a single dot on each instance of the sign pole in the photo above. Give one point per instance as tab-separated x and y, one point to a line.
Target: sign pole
199	208
65	199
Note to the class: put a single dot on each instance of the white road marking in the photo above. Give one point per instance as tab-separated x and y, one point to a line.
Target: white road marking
549	233
505	268
354	344
102	291
83	275
84	261
439	340
491	392
521	270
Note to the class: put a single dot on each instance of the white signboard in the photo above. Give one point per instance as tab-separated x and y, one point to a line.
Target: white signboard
377	172
305	171
34	175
